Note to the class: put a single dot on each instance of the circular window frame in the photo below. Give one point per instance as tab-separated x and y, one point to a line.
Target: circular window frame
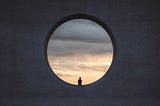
79	16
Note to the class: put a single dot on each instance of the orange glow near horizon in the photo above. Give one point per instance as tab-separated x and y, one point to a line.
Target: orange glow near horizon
90	69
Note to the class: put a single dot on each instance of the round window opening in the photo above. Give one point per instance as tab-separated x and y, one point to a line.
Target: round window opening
80	51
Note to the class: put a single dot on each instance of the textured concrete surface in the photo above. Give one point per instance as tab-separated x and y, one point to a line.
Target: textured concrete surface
78	102
24	72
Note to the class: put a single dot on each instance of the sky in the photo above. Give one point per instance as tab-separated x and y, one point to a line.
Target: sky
80	48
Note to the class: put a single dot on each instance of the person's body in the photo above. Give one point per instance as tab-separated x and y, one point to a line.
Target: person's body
79	81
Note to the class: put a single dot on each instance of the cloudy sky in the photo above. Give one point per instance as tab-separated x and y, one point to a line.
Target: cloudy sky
80	48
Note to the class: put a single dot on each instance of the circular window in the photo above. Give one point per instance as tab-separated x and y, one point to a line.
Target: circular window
79	51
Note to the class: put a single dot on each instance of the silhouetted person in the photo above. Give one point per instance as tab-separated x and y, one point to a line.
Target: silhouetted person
79	81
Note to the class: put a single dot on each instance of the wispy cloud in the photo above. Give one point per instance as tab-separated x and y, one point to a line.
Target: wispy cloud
62	74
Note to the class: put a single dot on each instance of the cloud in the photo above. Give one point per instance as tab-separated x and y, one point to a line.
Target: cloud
81	30
58	47
81	62
89	67
79	36
62	75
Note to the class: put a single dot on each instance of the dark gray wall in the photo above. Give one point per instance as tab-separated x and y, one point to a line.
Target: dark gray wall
24	25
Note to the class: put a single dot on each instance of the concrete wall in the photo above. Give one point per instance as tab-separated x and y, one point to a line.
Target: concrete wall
24	72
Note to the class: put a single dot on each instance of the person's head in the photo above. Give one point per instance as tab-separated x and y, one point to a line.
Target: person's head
80	78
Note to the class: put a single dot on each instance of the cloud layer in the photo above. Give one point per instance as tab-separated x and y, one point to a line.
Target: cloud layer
82	30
